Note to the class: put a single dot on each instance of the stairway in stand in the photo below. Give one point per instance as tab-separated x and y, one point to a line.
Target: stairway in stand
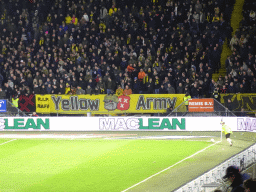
236	17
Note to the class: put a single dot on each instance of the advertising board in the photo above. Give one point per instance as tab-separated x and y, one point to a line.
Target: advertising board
201	105
97	104
126	124
3	105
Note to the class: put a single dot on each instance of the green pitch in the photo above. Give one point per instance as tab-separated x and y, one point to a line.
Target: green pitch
86	165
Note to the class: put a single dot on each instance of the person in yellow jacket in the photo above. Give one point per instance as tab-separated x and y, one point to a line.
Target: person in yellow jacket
185	99
49	18
67	89
227	130
102	26
216	18
68	19
119	91
74	19
112	10
15	101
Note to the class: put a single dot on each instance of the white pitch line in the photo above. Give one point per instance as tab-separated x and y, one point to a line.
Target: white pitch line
170	166
8	141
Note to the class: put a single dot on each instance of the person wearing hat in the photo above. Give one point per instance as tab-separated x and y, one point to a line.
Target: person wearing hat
227	130
234	176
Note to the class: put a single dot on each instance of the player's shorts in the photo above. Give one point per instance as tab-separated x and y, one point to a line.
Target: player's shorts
228	135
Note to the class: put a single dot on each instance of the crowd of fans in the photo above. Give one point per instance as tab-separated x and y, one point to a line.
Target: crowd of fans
96	46
241	65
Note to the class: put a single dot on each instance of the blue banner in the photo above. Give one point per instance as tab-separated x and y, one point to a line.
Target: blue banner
3	105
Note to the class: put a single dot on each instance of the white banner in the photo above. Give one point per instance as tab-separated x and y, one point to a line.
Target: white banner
126	123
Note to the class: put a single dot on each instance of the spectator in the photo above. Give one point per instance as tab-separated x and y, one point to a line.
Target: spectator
88	90
156	85
123	64
80	91
1	80
195	91
150	86
141	75
230	105
231	88
234	176
170	89
180	89
95	40
162	89
216	94
127	91
2	94
119	91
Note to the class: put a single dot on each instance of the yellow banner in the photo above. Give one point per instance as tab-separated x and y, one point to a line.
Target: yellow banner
100	104
247	101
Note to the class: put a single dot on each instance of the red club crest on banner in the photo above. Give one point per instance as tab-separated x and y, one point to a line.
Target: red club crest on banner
123	103
27	103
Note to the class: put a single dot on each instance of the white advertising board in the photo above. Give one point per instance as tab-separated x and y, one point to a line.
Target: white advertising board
126	123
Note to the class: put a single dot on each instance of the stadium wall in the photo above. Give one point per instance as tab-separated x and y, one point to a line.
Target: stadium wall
242	160
240	124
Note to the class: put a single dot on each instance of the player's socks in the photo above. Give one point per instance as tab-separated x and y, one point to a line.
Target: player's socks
230	141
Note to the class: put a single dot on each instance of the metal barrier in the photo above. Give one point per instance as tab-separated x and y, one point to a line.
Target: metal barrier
214	176
12	111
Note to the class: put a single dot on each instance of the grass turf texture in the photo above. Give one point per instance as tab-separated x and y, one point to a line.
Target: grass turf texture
86	165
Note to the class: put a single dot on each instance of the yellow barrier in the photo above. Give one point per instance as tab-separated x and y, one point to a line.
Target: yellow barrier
97	104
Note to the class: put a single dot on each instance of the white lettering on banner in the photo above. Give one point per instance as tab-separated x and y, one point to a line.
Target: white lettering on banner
241	124
2	121
248	124
196	103
201	103
104	124
118	124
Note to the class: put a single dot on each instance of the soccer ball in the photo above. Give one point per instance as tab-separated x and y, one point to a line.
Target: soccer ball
212	140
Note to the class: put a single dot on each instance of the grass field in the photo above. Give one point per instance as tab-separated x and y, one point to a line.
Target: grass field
105	164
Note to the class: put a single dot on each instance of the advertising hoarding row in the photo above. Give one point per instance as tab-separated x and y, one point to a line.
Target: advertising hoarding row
126	124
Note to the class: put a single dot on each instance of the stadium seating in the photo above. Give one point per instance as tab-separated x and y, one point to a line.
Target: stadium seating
58	47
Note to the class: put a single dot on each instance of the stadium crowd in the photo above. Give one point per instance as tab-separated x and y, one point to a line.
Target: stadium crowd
97	46
241	64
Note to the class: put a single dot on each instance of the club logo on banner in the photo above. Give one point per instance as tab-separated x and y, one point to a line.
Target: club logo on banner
27	103
3	106
201	105
124	103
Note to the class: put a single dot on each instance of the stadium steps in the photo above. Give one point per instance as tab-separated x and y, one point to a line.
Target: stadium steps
224	54
236	17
